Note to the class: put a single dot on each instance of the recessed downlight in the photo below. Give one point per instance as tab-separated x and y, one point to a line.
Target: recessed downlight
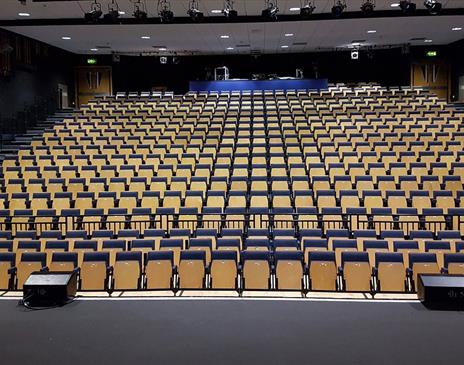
225	36
289	34
145	37
66	38
24	14
371	31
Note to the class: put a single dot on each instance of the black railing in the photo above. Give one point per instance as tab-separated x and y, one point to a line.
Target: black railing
242	221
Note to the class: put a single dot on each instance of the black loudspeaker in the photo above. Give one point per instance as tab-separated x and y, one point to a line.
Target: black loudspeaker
441	291
49	289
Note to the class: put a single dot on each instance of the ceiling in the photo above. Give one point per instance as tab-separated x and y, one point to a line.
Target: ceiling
243	38
75	9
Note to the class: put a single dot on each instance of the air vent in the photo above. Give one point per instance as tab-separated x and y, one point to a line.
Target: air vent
358	41
103	47
242	46
418	39
300	43
255	52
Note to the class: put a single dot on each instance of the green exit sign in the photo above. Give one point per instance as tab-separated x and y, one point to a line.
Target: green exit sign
91	61
431	54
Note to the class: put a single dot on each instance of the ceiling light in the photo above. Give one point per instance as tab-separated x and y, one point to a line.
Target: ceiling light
407	6
367	7
94	14
395	5
289	34
145	37
66	38
339	6
113	12
229	11
122	12
307	9
230	48
164	11
216	11
456	29
162	49
271	10
371	31
194	12
428	41
283	46
94	49
295	9
225	36
24	14
433	6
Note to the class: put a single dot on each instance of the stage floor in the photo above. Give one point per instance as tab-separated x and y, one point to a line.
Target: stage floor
230	331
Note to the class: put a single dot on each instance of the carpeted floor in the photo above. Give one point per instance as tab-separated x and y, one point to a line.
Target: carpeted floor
230	332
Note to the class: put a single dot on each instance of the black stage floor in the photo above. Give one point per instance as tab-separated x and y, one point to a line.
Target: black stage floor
230	332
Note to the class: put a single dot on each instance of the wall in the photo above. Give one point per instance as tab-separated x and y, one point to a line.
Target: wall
456	58
34	72
135	73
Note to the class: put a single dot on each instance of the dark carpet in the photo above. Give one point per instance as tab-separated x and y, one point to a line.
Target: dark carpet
230	332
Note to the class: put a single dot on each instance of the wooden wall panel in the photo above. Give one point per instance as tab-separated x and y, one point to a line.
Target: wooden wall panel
432	75
92	81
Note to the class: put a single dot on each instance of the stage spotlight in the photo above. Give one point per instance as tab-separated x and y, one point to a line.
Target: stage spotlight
337	9
271	10
368	7
113	12
95	13
407	6
140	11
195	14
307	9
229	11
433	6
164	11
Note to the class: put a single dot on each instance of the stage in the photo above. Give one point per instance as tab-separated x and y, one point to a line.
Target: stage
252	85
230	331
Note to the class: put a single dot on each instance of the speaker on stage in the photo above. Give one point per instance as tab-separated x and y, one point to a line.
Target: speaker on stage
441	291
49	289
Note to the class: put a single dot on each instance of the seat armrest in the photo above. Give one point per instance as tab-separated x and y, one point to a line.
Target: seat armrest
45	269
12	270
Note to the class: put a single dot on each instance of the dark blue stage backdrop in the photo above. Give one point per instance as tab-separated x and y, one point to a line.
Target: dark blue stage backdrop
250	85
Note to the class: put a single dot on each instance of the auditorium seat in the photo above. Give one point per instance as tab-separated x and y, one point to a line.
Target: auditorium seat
422	263
390	272
256	270
7	270
29	263
454	263
356	271
95	270
63	261
192	270
224	270
127	271
159	270
322	271
289	270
